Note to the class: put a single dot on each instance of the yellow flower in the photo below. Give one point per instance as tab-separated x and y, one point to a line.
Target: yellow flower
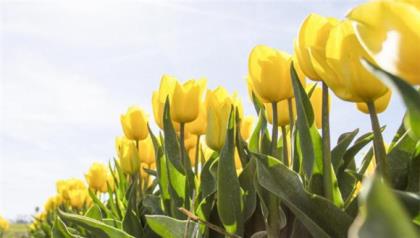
269	70
380	104
199	125
166	90
219	105
53	202
343	55
313	33
134	124
78	198
4	224
186	100
147	151
298	69
283	116
98	176
246	127
128	155
316	102
64	186
390	32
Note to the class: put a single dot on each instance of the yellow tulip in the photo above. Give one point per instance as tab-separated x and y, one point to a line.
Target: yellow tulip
283	116
134	124
199	125
299	71
313	33
219	105
269	70
186	100
316	102
4	225
343	55
246	127
128	155
166	90
380	104
53	202
98	176
65	186
147	151
390	32
78	198
143	173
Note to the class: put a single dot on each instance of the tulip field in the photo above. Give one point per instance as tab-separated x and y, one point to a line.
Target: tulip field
212	171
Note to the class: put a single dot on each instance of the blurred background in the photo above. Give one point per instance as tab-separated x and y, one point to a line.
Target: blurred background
68	69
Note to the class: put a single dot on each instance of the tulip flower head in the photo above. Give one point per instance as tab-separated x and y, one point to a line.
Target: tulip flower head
389	31
134	124
380	104
316	102
53	202
219	106
199	125
269	70
283	115
78	198
166	90
246	127
147	151
98	177
186	100
128	155
4	225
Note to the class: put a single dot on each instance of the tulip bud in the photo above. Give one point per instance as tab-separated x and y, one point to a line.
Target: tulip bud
269	70
199	125
98	176
134	124
166	90
147	151
246	127
219	105
128	155
389	32
78	198
380	104
283	115
186	100
4	225
316	102
53	202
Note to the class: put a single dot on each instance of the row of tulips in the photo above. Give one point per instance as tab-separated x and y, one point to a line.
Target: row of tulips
212	171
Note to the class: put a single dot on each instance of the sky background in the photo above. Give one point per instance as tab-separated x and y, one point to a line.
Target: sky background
69	69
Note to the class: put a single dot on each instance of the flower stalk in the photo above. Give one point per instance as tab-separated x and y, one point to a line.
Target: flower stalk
326	144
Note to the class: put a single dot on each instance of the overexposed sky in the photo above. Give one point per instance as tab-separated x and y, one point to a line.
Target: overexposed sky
68	69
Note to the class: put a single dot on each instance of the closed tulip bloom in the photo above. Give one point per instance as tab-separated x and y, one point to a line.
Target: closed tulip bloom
269	70
128	155
316	102
380	104
283	116
347	66
97	177
166	90
186	100
246	127
78	198
4	224
199	125
298	69
53	202
219	105
147	151
134	124
390	32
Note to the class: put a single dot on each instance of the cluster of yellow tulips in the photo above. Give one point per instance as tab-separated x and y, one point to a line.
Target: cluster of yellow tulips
221	173
4	225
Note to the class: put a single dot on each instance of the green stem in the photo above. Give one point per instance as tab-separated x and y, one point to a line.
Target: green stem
292	122
378	141
285	150
185	162
197	154
273	219
326	147
140	170
275	129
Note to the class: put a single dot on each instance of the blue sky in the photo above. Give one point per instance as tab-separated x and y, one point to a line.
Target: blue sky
69	69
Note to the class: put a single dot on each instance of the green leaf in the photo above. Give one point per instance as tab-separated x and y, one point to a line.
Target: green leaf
380	214
131	222
320	216
246	180
408	93
98	202
229	202
95	227
339	150
60	230
169	227
94	212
